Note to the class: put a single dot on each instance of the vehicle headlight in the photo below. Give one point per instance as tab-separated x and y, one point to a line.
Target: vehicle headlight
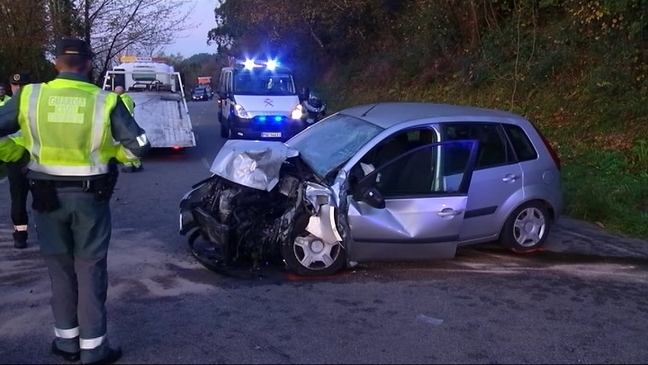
298	112
240	112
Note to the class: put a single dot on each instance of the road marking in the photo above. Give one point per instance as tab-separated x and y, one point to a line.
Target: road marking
206	163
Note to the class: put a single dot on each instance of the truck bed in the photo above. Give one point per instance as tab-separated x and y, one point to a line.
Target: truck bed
164	118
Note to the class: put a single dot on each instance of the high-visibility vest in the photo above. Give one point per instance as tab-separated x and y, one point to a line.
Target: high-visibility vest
130	104
9	150
66	128
16	137
6	99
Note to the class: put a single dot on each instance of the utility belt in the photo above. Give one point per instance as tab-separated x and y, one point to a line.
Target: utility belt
45	192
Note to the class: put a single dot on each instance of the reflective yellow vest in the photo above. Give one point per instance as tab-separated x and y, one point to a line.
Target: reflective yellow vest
130	104
66	128
9	150
17	137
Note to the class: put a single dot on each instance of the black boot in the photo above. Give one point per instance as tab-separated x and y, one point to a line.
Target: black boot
20	239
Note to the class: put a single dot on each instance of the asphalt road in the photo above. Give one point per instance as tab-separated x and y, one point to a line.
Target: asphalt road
584	301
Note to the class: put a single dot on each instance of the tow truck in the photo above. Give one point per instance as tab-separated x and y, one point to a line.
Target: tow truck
160	101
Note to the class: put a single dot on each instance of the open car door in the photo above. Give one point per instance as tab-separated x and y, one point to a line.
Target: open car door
413	206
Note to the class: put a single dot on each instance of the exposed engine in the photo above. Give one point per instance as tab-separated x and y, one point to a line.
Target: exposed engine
247	226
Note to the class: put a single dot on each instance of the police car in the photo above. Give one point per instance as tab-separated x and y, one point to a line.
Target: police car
258	100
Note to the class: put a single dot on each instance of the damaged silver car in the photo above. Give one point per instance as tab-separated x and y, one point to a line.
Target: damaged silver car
387	181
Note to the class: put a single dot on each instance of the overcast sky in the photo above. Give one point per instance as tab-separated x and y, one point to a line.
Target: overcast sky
194	41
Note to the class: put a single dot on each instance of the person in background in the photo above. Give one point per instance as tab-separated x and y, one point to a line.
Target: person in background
3	95
18	182
135	165
72	180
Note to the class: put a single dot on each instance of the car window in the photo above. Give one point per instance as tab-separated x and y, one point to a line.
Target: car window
493	149
522	145
399	143
420	172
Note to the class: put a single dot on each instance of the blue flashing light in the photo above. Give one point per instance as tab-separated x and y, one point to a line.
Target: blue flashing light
249	64
274	119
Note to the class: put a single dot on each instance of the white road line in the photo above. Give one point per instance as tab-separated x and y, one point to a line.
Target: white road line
206	163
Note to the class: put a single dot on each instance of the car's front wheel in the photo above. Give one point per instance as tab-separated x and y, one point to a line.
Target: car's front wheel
308	255
527	228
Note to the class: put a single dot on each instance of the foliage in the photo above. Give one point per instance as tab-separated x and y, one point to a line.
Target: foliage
111	27
201	64
577	68
24	27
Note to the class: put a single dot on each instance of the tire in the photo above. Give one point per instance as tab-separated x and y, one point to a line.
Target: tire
304	245
532	217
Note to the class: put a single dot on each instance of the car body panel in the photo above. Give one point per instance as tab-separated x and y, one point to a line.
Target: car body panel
255	164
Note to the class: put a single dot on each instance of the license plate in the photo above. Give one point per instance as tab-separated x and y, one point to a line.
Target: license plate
270	134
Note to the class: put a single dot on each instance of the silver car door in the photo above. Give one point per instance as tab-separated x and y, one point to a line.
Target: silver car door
498	179
412	207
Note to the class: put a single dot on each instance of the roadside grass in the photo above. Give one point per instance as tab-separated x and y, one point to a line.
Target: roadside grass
602	139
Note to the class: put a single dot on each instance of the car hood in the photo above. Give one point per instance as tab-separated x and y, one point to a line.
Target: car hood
267	104
255	164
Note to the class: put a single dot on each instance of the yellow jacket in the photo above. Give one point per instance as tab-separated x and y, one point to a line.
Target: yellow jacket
10	151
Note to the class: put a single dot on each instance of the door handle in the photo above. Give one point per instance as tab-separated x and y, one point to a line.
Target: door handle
448	212
509	178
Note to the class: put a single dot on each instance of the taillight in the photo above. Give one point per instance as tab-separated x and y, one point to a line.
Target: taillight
552	152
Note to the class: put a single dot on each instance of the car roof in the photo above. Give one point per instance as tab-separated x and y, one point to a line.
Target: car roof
386	115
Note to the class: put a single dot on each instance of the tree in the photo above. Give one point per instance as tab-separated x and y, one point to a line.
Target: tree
142	26
25	38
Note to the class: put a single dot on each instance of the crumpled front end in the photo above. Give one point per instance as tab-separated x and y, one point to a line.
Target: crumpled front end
259	203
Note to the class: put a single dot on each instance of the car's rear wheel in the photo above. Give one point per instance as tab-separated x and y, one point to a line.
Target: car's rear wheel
527	228
308	255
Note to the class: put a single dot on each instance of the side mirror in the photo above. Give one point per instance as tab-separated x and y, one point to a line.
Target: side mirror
372	197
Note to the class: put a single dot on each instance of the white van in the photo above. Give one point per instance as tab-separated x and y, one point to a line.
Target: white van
259	101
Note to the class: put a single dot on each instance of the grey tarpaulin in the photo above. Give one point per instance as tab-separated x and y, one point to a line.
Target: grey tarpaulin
254	164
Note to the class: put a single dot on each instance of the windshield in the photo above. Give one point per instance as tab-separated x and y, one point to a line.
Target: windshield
263	83
329	143
144	77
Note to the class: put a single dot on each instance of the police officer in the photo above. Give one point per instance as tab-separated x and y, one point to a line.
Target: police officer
18	183
135	165
3	95
70	127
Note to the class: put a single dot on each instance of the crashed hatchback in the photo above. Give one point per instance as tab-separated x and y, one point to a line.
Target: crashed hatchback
387	181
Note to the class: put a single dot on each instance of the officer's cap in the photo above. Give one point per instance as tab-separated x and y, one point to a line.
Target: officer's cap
20	78
73	46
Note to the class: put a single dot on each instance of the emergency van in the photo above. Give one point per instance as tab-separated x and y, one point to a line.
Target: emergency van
258	100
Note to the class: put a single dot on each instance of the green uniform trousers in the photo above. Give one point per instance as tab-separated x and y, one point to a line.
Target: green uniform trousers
74	242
